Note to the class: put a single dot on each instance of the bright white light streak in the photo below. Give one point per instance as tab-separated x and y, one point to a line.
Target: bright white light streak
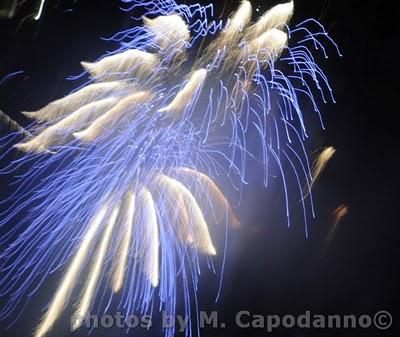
240	19
131	63
321	162
168	30
276	17
222	205
95	272
55	133
109	118
184	97
68	104
123	251
151	237
199	229
61	297
273	41
40	11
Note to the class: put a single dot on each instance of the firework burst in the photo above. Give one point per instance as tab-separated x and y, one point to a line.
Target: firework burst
121	174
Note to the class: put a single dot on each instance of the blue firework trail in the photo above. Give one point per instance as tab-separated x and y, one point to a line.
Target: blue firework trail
119	176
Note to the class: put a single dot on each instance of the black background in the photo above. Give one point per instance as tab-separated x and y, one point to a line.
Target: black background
270	269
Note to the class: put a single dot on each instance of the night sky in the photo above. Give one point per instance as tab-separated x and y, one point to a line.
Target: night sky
270	269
